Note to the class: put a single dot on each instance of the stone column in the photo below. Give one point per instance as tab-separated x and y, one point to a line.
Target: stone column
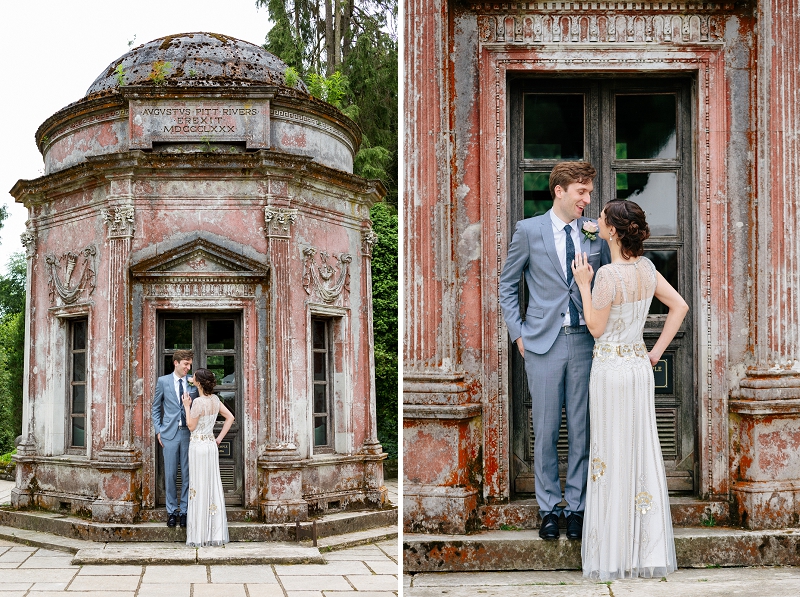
117	458
373	473
436	408
282	484
22	495
765	413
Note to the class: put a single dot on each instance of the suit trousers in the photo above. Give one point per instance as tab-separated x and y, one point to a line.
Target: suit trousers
176	453
560	379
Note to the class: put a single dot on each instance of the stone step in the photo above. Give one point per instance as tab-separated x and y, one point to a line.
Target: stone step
232	554
346	540
524	514
72	527
696	547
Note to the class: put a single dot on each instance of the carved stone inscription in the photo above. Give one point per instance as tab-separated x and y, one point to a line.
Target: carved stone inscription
199	121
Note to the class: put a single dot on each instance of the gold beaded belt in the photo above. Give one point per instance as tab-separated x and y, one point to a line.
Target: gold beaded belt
202	437
606	350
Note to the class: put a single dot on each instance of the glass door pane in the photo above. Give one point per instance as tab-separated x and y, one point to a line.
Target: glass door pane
553	127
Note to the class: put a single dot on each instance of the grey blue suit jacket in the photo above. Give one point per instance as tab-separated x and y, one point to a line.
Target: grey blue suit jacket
533	252
166	401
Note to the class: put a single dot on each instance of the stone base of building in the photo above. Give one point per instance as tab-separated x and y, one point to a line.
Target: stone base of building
767	504
277	511
115	511
696	547
436	509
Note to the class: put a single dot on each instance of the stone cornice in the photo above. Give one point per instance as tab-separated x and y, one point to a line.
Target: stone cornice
136	164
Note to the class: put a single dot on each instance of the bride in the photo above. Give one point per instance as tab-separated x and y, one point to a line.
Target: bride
627	529
206	520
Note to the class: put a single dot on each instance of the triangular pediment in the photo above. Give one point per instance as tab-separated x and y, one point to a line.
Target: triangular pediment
199	256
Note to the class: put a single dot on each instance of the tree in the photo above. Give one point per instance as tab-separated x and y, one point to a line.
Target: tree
352	47
12	347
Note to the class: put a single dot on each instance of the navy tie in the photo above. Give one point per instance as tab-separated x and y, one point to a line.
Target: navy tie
573	310
180	400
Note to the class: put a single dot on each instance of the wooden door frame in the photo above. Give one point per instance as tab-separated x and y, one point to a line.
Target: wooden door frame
498	62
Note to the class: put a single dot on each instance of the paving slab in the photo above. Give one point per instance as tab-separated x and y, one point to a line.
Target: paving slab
514	591
318	582
256	574
45	540
164	590
268	590
218	590
374	582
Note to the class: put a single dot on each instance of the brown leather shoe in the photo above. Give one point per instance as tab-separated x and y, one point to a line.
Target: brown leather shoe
574	526
549	529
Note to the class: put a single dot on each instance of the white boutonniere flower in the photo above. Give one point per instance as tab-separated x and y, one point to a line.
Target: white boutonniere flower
589	230
190	380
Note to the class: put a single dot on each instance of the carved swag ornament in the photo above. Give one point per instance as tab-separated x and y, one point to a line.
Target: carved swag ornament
321	278
69	287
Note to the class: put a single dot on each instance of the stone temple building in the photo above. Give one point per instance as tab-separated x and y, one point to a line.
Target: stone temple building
689	108
194	199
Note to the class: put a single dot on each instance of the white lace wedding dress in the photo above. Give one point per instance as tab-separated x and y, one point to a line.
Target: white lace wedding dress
627	529
206	520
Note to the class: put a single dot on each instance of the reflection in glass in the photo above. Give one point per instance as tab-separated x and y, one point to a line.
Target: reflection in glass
657	194
229	400
79	335
536	198
78	432
178	334
79	366
223	367
553	127
320	431
666	263
318	334
220	334
646	127
320	398
78	399
320	363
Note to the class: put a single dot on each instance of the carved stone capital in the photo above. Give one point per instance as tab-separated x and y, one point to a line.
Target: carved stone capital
368	241
120	221
278	221
321	279
69	287
28	239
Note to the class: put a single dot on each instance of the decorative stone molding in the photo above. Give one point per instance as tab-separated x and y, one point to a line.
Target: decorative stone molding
317	278
68	292
28	240
612	24
368	241
279	220
120	221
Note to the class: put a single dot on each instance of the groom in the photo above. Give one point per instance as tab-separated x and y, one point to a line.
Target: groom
169	421
553	338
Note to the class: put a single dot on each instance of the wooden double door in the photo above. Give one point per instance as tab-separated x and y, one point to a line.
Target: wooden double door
637	132
215	339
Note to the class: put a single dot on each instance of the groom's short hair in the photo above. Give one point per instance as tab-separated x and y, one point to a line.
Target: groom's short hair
565	173
182	355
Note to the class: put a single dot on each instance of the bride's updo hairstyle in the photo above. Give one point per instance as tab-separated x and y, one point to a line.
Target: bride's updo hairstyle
632	229
206	380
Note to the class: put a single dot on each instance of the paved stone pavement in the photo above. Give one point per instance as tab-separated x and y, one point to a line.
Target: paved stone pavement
699	582
366	571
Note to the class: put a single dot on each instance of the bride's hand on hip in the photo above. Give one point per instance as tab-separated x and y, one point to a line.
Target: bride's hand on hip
582	270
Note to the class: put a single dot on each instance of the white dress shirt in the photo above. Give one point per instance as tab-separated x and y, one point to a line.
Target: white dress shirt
175	379
561	250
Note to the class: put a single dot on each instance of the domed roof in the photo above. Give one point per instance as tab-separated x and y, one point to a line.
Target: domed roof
195	60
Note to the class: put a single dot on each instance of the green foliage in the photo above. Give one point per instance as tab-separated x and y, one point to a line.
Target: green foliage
12	286
385	323
6	458
355	46
161	70
291	76
119	73
329	89
12	346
